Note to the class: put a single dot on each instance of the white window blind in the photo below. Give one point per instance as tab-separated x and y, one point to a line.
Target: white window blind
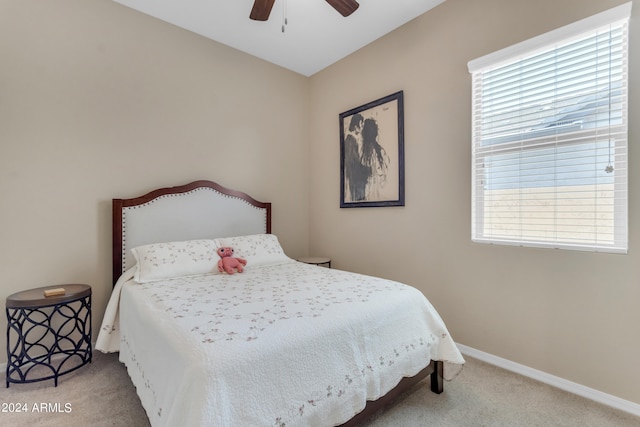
549	138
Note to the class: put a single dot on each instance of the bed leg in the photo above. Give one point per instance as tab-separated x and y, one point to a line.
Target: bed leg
437	381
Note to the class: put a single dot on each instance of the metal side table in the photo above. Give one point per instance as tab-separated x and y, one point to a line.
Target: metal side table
48	336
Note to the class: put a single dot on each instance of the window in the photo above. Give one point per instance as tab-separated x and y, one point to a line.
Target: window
549	139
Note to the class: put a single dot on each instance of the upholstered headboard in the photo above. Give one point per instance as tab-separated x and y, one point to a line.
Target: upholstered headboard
199	210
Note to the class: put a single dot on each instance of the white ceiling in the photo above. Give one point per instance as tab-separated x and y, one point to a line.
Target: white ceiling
315	36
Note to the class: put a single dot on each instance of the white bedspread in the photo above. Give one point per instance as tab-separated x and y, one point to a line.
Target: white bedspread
284	345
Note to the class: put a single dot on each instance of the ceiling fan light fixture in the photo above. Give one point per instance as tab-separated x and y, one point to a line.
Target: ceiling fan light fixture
344	7
262	8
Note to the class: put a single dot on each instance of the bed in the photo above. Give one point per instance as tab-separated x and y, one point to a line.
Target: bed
281	344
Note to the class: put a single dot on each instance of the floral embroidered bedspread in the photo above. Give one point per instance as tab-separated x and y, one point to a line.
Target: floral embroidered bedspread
282	345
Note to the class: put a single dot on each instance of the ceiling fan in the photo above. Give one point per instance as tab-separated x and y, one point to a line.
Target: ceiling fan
262	8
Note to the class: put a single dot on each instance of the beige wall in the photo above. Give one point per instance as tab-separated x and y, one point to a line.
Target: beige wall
571	314
98	101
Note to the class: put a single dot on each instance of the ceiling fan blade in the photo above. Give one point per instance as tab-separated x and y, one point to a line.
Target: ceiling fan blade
344	7
261	10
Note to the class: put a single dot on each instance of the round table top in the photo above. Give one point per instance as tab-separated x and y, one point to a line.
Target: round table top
36	298
315	260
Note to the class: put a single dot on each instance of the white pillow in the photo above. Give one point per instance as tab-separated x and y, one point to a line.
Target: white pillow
257	249
160	261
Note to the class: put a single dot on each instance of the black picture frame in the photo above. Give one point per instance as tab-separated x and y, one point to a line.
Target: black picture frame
372	154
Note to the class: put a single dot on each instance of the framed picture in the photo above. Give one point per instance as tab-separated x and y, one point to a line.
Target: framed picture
372	154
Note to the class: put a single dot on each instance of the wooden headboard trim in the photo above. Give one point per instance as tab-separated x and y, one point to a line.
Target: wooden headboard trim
118	205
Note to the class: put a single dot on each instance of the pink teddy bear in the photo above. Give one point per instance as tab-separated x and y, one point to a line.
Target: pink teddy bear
228	262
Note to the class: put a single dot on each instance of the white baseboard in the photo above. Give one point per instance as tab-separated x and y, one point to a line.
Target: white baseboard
561	383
